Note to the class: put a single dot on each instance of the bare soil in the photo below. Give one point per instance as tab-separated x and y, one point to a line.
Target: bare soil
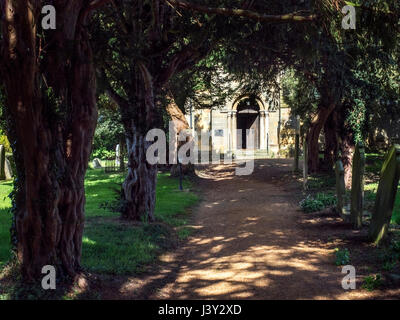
251	241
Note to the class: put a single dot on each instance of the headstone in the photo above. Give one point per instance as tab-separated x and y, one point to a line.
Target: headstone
340	189
96	163
357	186
117	156
385	196
2	162
297	146
8	170
305	165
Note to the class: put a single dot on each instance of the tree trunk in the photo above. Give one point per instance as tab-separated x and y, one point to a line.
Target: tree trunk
52	112
314	132
347	152
346	145
331	143
139	187
122	147
180	124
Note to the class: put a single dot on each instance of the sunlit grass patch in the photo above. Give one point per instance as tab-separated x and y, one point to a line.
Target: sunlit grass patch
5	221
113	247
370	195
109	245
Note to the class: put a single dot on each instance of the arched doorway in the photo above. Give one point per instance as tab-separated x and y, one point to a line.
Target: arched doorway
248	118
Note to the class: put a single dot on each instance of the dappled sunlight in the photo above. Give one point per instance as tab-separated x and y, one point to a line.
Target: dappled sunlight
249	244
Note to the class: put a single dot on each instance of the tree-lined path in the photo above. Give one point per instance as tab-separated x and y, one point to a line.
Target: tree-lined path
251	243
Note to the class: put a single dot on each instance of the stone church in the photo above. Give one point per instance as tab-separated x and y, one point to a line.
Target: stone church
266	115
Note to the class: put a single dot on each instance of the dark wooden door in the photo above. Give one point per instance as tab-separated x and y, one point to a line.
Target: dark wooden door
248	121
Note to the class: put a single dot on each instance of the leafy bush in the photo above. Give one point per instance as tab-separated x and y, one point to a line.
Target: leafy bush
103	153
342	257
109	131
317	203
4	141
310	204
327	199
372	282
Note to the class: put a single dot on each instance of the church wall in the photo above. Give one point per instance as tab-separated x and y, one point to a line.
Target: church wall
216	122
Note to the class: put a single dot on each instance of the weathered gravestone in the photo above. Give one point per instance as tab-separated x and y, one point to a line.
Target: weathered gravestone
8	170
386	195
96	163
2	163
340	190
357	186
117	156
305	165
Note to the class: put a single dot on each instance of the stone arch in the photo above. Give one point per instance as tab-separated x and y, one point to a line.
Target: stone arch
259	101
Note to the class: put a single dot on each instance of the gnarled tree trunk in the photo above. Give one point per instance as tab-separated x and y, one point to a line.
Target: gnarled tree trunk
180	124
346	147
52	113
317	123
347	151
139	187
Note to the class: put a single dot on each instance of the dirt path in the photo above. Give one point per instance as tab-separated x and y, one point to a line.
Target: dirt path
251	243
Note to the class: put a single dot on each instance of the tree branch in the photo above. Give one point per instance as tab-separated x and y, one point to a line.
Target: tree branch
290	17
112	94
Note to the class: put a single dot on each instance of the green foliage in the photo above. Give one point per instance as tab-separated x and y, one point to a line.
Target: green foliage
326	199
5	222
311	204
321	182
357	71
109	131
103	153
371	283
370	195
318	202
374	162
4	141
342	257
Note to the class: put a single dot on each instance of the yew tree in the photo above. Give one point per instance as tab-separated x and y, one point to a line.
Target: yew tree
49	84
141	45
342	77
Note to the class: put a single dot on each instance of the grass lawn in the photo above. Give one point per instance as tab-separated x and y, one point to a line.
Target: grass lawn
5	222
370	194
110	245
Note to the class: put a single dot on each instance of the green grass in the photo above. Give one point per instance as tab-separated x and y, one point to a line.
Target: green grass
370	195
374	163
5	222
318	182
110	245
